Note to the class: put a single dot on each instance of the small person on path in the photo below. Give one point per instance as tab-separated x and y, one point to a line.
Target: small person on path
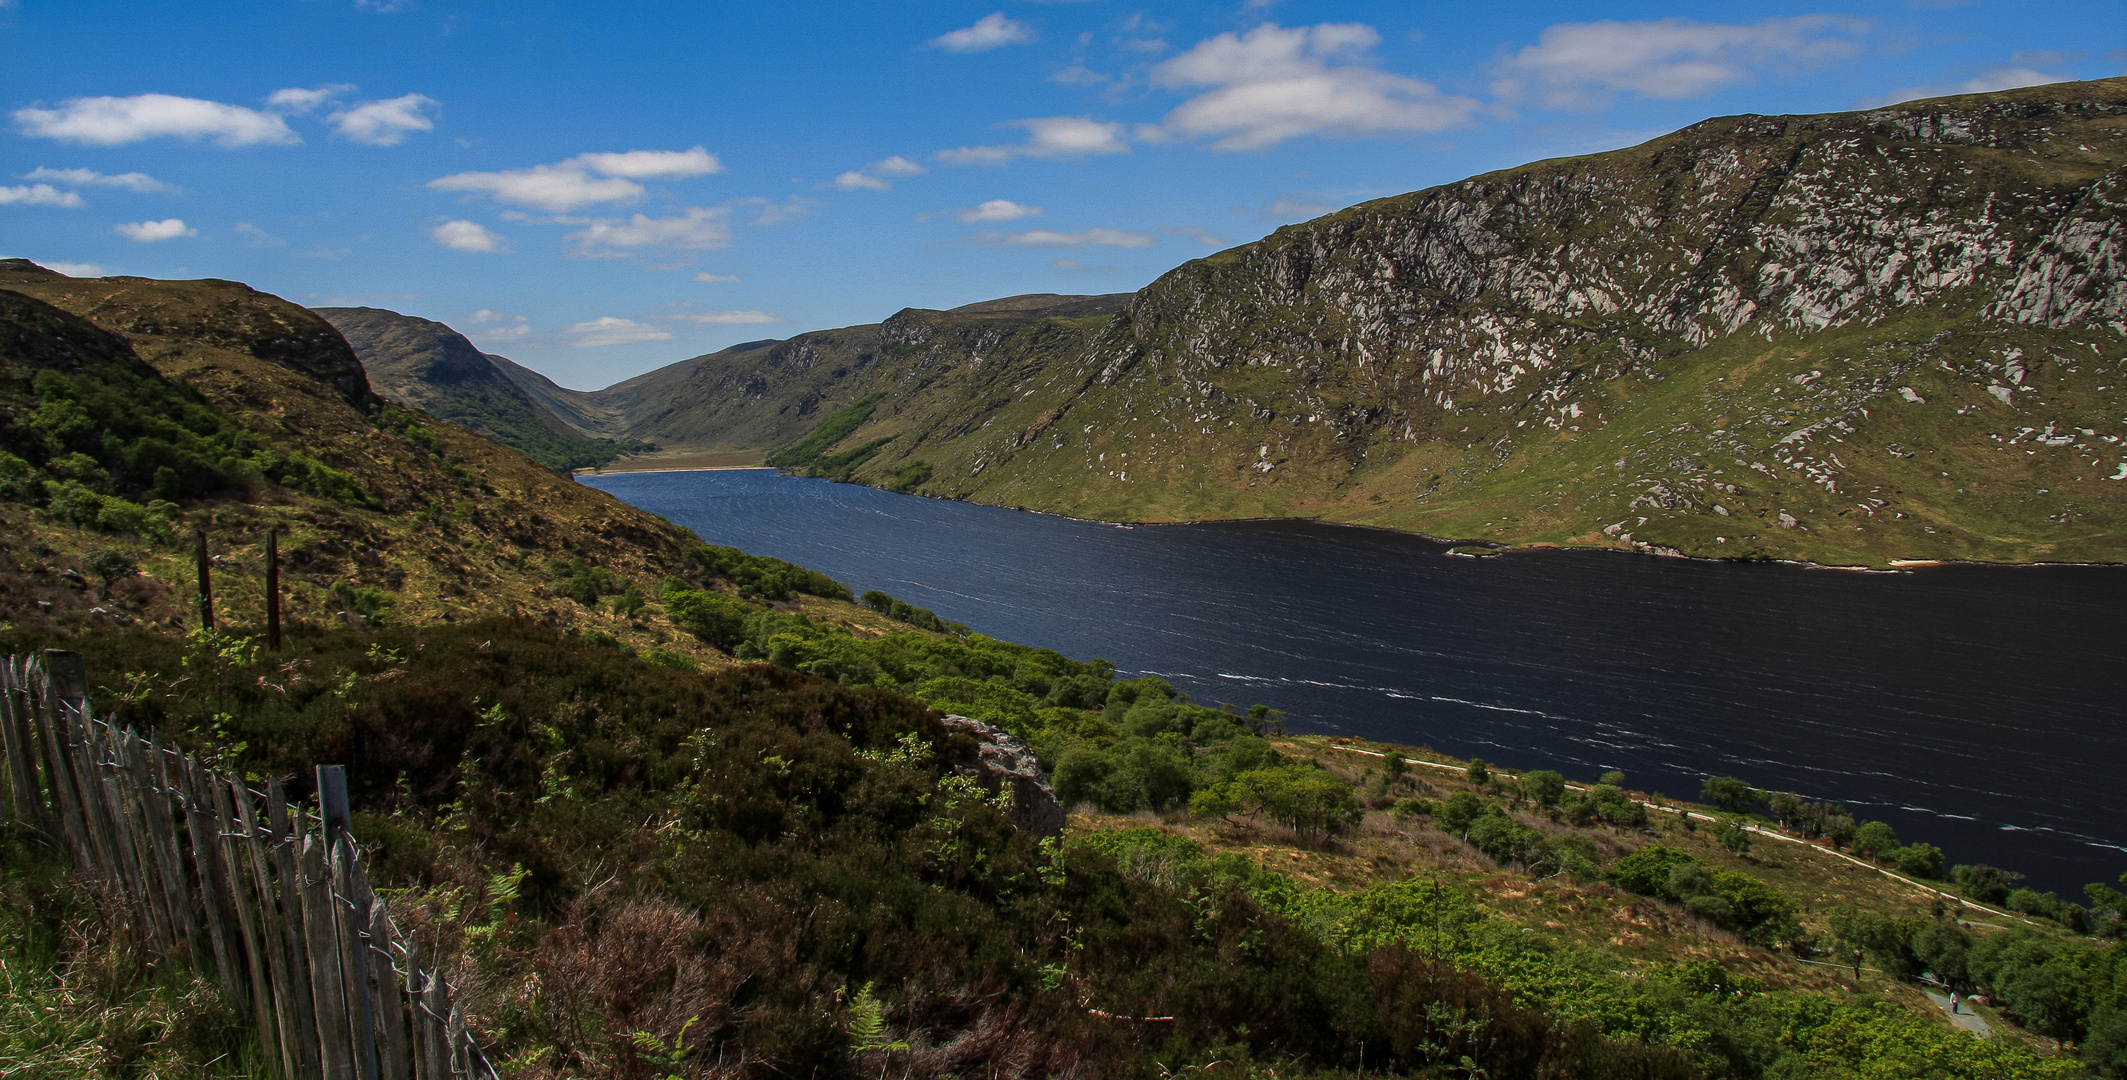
1953	1001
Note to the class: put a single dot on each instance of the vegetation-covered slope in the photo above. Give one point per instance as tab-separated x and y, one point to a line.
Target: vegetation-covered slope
1853	338
263	418
779	865
426	365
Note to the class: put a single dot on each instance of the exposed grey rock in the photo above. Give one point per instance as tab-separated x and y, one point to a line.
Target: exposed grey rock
1002	759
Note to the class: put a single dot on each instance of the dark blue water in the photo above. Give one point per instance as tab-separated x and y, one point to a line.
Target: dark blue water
1977	708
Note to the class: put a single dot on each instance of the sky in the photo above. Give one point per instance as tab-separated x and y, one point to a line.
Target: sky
597	190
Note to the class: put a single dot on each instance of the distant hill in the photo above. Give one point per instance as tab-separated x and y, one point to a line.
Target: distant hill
426	365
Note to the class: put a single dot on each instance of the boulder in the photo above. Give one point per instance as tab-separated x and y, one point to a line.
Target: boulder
1001	759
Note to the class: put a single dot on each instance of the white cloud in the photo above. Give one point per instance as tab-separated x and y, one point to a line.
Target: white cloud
698	229
557	188
707	278
132	181
1050	137
1052	238
1986	82
259	237
653	164
498	324
856	181
992	31
75	269
872	176
1584	65
148	232
111	121
386	122
569	185
996	210
297	100
729	318
39	195
468	236
1273	84
612	331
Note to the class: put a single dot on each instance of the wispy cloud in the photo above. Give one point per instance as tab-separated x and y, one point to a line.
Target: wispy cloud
570	185
728	318
132	181
1115	238
148	232
498	324
995	210
386	122
613	331
113	121
256	236
39	195
1585	65
468	236
1049	137
696	229
1273	84
707	278
992	31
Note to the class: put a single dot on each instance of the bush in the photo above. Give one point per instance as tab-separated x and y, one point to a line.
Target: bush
719	621
1544	787
1919	860
110	564
1986	884
1728	793
1310	801
1875	840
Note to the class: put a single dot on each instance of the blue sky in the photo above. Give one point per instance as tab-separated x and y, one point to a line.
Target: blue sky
596	190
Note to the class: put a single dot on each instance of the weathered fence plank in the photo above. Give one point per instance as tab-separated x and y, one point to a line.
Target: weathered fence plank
393	1061
298	1039
203	829
327	987
245	897
284	845
351	918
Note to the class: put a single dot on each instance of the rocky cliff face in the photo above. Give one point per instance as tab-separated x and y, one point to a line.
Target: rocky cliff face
1717	342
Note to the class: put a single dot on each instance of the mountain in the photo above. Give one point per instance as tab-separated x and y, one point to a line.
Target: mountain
1851	338
428	366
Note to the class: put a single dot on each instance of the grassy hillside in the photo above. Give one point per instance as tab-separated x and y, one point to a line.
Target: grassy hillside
421	364
1855	338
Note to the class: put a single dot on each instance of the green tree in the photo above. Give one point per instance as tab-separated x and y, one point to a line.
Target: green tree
1478	773
1544	787
1728	793
1920	860
1875	840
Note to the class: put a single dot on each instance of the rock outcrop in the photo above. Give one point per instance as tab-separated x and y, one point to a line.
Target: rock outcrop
1001	760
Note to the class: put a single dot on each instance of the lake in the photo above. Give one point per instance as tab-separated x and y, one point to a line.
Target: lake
1976	708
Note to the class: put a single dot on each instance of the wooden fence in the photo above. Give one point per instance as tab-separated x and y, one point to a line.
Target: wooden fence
270	898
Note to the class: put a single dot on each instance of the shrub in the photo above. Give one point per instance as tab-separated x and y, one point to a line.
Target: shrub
1919	860
110	564
1875	840
1728	793
1544	787
719	621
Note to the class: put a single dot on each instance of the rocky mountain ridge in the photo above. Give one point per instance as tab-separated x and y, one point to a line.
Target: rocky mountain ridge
1857	337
